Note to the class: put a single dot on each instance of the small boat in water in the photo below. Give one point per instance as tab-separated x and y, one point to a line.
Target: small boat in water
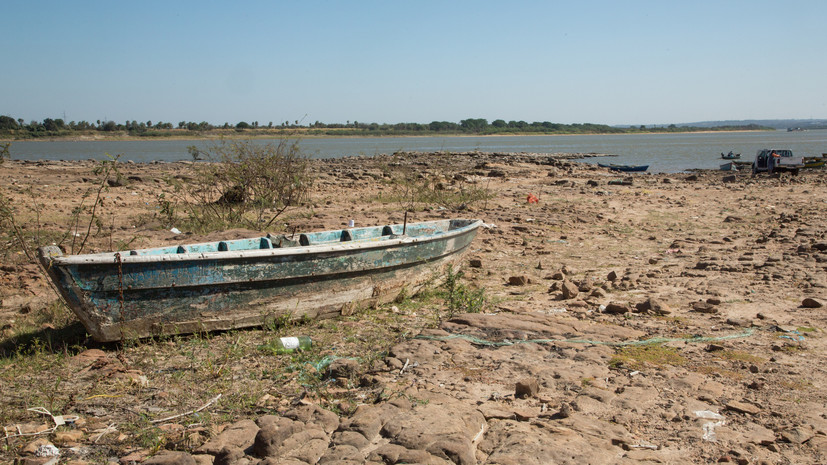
730	155
626	168
250	282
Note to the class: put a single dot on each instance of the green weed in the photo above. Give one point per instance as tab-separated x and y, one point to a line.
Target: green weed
741	356
642	356
461	298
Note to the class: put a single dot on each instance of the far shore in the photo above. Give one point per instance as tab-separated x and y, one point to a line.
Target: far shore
234	135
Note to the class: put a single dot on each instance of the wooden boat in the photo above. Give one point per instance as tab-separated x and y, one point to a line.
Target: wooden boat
250	282
626	168
813	162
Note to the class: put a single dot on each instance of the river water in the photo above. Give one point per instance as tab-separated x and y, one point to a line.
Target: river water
664	153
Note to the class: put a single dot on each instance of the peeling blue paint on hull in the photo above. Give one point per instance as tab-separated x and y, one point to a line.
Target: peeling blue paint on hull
248	282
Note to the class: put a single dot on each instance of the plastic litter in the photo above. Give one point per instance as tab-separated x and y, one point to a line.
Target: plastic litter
709	415
47	450
286	345
709	427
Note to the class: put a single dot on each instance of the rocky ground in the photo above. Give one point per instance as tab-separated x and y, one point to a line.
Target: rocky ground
654	318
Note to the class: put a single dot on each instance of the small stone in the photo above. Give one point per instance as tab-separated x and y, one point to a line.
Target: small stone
569	289
653	305
809	302
565	411
115	182
818	443
30	448
612	276
526	388
617	308
797	435
64	437
394	363
518	280
171	458
136	456
241	434
740	322
598	293
704	307
343	368
266	400
742	407
228	455
475	263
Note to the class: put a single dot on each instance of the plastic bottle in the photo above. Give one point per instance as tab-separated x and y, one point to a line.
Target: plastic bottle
286	345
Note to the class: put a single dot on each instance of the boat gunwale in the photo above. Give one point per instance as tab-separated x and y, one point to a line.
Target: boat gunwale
109	258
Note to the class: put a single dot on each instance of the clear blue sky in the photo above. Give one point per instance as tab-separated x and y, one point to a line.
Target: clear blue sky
607	62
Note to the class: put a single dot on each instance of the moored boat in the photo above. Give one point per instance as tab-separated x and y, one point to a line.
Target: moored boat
626	168
730	156
249	282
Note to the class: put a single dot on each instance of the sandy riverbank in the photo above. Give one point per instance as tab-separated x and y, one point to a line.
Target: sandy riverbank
727	268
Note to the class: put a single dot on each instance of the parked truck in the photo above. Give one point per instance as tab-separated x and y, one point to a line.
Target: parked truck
776	160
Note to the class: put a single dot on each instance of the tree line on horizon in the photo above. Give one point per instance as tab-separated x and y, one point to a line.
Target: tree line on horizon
57	127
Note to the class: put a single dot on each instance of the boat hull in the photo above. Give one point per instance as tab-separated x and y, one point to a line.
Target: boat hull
149	293
814	162
625	168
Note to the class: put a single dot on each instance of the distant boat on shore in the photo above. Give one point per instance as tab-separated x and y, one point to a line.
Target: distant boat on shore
625	168
813	162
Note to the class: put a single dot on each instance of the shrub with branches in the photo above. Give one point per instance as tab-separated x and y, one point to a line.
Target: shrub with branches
413	188
5	152
243	184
